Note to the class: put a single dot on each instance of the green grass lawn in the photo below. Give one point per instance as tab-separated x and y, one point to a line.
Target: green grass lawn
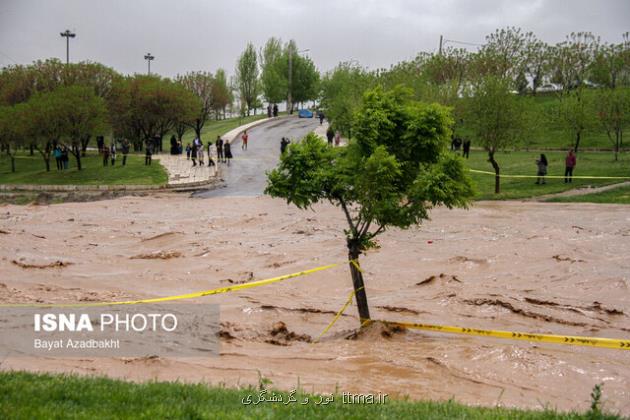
524	163
619	195
552	138
31	170
44	396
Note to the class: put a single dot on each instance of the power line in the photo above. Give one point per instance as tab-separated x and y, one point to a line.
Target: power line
463	42
14	62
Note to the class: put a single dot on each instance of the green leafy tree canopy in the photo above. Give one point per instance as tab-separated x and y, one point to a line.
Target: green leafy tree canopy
390	176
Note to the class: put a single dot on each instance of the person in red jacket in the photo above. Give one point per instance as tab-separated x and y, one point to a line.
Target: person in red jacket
569	165
244	139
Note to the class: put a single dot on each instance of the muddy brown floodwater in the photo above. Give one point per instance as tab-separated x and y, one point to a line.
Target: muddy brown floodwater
547	268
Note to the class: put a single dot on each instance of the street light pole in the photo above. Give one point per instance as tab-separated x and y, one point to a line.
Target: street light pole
149	58
67	34
290	99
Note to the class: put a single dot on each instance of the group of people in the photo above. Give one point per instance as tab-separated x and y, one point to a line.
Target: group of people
109	153
195	152
457	143
569	164
272	111
60	152
176	146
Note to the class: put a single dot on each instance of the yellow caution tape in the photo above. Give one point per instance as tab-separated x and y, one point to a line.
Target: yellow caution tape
356	264
339	313
177	297
558	339
571	340
548	176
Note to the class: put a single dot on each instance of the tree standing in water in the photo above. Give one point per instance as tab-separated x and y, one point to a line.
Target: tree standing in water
392	172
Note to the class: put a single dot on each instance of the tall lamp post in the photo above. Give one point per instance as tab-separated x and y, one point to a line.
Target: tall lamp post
149	58
67	34
290	99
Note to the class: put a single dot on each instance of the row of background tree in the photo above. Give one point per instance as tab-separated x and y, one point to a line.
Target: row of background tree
492	92
49	103
474	84
278	73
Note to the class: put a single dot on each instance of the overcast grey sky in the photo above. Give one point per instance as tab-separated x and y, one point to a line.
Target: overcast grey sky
187	35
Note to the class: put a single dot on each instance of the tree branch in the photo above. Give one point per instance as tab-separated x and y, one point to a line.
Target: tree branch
364	230
380	229
348	217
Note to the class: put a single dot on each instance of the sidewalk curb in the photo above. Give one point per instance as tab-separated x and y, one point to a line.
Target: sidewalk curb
79	188
235	132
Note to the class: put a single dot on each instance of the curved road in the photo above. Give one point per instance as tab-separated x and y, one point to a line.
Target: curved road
246	174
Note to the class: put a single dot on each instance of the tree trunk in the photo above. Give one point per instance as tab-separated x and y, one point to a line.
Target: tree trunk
357	283
617	145
84	144
31	148
497	177
47	161
76	151
12	163
578	136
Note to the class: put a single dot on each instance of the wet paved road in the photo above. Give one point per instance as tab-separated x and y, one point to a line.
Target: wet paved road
246	174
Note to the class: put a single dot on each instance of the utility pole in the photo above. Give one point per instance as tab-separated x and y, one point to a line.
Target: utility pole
67	34
440	50
149	58
290	99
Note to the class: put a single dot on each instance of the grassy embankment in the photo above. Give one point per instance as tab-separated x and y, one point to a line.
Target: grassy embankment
549	135
619	195
524	163
31	170
37	396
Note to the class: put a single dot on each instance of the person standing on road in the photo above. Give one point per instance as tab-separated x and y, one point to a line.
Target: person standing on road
188	150
321	118
227	151
244	139
275	110
200	153
219	144
570	162
542	169
283	145
269	111
210	160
